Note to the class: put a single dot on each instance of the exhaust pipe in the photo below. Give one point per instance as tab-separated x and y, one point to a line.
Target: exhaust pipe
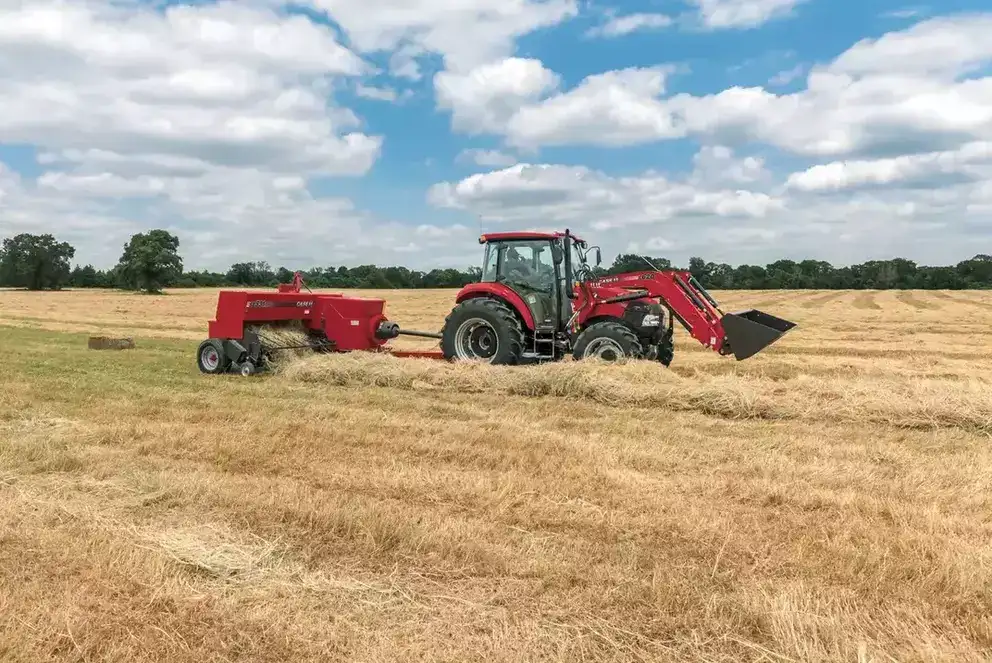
751	331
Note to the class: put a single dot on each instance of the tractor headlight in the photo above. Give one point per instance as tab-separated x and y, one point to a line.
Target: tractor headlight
651	320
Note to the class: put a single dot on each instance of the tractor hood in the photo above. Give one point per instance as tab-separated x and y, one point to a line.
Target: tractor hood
604	292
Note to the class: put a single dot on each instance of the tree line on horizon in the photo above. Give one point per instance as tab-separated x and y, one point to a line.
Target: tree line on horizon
151	262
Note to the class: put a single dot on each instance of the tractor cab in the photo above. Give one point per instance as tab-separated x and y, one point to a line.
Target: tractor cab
541	268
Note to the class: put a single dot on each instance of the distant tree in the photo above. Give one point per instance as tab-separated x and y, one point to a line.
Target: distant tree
632	262
150	261
86	277
252	274
35	262
699	269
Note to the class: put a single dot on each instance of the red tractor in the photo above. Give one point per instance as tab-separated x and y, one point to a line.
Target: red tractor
538	299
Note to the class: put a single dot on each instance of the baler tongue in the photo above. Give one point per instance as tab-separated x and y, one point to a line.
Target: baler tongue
751	331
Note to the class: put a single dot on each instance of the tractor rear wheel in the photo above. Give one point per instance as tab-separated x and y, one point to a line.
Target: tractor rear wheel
608	340
483	328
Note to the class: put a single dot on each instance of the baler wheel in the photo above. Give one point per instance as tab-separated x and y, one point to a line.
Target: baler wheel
608	340
483	328
210	357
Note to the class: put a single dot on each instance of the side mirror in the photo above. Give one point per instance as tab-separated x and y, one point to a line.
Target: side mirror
557	254
599	257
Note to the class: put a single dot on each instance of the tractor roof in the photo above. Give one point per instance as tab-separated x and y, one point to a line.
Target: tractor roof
520	235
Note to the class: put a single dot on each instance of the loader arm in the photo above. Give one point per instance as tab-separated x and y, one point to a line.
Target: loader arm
741	333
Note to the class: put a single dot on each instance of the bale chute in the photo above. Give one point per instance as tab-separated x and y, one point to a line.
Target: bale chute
749	332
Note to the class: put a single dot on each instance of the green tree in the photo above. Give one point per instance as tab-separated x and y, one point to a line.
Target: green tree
35	262
150	261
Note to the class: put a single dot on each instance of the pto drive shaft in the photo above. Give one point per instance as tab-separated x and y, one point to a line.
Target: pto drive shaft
389	330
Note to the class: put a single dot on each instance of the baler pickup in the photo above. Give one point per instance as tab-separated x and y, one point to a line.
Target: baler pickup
749	332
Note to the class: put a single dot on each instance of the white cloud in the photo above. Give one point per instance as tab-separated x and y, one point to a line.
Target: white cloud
726	14
902	93
221	217
579	195
619	26
907	12
616	108
729	208
484	98
971	162
482	157
466	34
942	47
222	83
206	120
786	76
647	212
718	165
381	93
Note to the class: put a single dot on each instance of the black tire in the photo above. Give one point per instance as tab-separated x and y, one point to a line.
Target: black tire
497	335
608	340
210	357
666	351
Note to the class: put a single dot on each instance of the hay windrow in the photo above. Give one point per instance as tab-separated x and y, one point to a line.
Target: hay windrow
916	404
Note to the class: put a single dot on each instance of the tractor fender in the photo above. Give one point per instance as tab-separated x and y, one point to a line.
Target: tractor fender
604	317
601	312
498	291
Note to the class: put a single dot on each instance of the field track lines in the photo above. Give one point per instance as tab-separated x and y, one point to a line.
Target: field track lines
763	304
866	301
968	301
908	298
820	300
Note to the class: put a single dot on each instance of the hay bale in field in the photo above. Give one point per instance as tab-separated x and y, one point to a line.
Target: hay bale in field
105	343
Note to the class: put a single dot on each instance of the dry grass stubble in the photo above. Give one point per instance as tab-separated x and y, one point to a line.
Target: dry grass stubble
927	403
826	501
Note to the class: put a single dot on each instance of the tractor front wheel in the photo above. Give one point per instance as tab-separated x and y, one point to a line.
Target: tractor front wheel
609	340
666	352
483	329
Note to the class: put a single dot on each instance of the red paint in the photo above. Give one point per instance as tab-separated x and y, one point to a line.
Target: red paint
348	322
521	235
502	292
671	287
295	286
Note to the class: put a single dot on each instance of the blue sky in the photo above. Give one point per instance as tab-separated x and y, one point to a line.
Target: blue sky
779	134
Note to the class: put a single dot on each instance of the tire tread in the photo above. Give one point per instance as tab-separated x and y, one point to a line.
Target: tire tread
505	316
611	328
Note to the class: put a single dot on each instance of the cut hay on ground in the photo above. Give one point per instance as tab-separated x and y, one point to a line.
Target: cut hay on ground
920	404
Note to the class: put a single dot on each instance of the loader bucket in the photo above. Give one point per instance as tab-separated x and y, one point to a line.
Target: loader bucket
749	332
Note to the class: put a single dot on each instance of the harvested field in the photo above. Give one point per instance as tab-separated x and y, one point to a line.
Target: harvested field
827	500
